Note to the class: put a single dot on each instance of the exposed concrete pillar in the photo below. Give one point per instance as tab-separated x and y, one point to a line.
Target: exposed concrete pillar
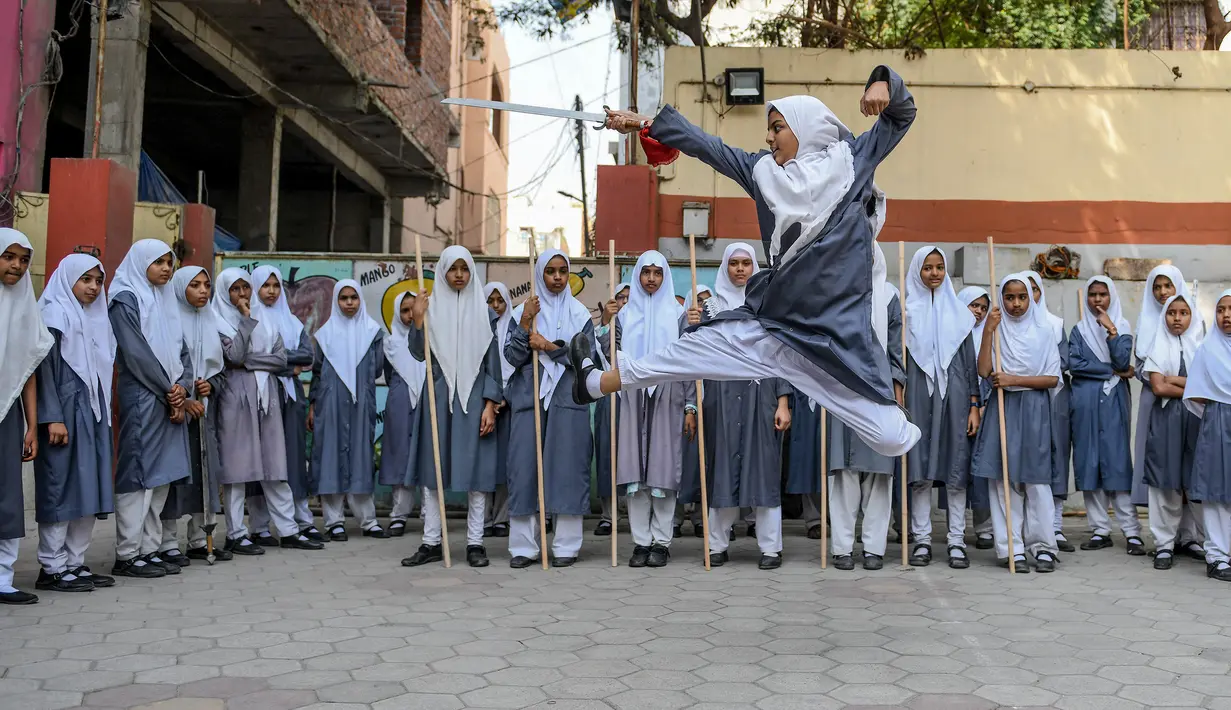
259	177
382	218
123	96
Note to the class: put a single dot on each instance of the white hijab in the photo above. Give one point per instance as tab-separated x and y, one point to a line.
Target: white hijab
1152	310
1170	351
1209	375
460	326
1095	335
650	323
1026	345
938	322
279	316
228	318
502	327
727	296
200	327
695	296
397	352
969	295
155	304
560	317
87	343
1057	323
345	341
809	187
24	340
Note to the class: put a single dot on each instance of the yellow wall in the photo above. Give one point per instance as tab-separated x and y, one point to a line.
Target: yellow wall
1101	125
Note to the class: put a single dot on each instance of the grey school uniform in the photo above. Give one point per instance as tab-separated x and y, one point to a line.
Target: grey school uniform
1061	430
1028	424
602	447
743	450
344	427
153	451
467	460
1101	455
12	502
72	481
186	496
1171	442
399	445
1210	481
804	447
299	476
567	442
253	443
943	454
1145	403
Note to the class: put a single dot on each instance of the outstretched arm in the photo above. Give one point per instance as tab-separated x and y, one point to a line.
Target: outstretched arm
896	113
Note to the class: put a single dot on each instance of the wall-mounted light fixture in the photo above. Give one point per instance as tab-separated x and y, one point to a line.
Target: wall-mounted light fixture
745	87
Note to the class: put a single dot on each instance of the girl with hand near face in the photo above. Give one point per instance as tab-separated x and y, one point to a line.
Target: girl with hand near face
1207	393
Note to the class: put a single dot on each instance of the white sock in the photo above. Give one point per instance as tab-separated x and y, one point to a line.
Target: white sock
593	384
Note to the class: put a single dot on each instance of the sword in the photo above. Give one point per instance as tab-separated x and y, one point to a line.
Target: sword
599	118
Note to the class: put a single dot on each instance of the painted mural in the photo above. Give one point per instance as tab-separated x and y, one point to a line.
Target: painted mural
309	284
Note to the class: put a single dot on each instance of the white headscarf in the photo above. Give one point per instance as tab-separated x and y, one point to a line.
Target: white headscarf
155	304
228	319
502	327
695	296
727	296
969	295
809	187
1095	335
200	327
1151	309
344	341
24	340
1026	345
650	323
1209	374
1170	351
620	287
279	316
459	324
397	352
560	317
86	341
937	322
1057	323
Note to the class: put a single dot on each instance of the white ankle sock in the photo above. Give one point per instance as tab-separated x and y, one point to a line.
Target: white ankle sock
593	384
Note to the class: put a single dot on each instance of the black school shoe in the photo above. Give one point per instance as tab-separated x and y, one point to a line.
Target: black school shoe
397	528
814	532
301	542
922	556
476	556
18	598
984	542
659	556
265	539
221	554
752	530
313	534
337	533
1193	549
1164	559
100	580
718	559
1135	546
641	556
175	557
1216	570
424	555
1020	564
376	532
169	567
603	529
843	562
57	582
500	530
770	561
578	352
1063	544
958	558
1096	542
130	568
873	562
521	562
1045	562
677	532
563	561
243	546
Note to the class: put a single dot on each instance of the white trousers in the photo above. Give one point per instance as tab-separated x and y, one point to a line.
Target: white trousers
921	514
1217	517
62	546
1058	519
1033	517
524	536
170	533
258	513
1126	513
497	510
281	506
1192	524
650	518
476	501
8	558
362	505
769	529
744	350
138	529
1166	510
403	503
850	492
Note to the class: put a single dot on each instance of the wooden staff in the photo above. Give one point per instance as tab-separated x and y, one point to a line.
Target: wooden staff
538	419
615	511
905	492
1004	443
824	495
705	498
431	410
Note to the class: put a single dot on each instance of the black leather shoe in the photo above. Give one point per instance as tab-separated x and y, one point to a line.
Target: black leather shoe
659	556
168	567
1193	549
641	555
984	543
579	351
1044	562
221	554
1213	571
958	558
424	555
814	532
677	532
313	534
1063	544
301	542
521	562
378	533
397	528
922	556
1020	565
130	568
770	562
57	583
500	530
1164	560
603	529
175	557
244	546
1135	546
18	598
100	580
698	530
563	561
873	562
844	562
752	530
337	533
265	539
476	556
1096	542
718	559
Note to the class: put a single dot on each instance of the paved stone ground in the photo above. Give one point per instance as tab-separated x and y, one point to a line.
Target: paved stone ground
349	629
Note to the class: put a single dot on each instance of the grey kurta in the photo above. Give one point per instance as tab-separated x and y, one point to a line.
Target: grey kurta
399	444
568	444
1101	455
804	447
12	501
185	497
743	451
153	451
1211	473
295	420
831	326
344	427
943	453
71	481
253	442
1170	443
1061	428
602	447
1028	425
468	461
1145	403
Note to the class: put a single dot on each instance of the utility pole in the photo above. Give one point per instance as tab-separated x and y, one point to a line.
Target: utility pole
634	38
581	154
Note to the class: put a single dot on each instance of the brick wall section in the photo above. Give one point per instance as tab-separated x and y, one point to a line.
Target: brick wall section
393	14
360	37
427	39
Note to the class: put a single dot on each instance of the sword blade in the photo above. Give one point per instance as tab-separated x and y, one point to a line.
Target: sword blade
524	108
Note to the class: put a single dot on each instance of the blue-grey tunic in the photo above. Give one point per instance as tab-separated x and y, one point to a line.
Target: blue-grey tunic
831	326
344	427
943	453
602	447
399	444
295	420
567	442
1028	425
468	461
804	447
12	500
1145	403
1211	473
71	481
153	451
1102	458
1170	443
185	497
253	443
690	470
743	450
1061	429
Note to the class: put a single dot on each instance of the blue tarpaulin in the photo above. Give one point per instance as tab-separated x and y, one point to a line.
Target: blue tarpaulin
153	186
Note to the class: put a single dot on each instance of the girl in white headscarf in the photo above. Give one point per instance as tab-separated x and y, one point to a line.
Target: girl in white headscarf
942	394
155	376
496	509
1207	393
342	411
602	417
979	303
1029	374
24	341
467	376
400	442
1100	362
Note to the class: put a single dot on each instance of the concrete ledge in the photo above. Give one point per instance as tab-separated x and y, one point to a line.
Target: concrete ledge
970	263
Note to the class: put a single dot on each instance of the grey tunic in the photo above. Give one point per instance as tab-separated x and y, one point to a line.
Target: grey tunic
1028	425
468	462
1101	456
1170	443
253	442
831	326
71	481
943	453
295	420
12	500
602	448
1211	474
804	447
1145	403
399	444
152	450
1061	429
567	441
344	427
185	497
743	450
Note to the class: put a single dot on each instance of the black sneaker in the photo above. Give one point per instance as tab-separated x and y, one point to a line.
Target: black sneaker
958	558
718	559
873	562
100	580
1045	562
244	546
221	554
313	534
1063	544
922	556
301	542
58	583
641	556
397	528
376	532
476	556
1135	546
659	556
579	351
265	539
1096	542
1164	559
168	567
138	568
337	533
18	598
424	555
770	561
175	557
521	562
844	562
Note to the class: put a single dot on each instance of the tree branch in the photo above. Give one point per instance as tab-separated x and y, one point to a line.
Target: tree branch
1216	25
853	34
